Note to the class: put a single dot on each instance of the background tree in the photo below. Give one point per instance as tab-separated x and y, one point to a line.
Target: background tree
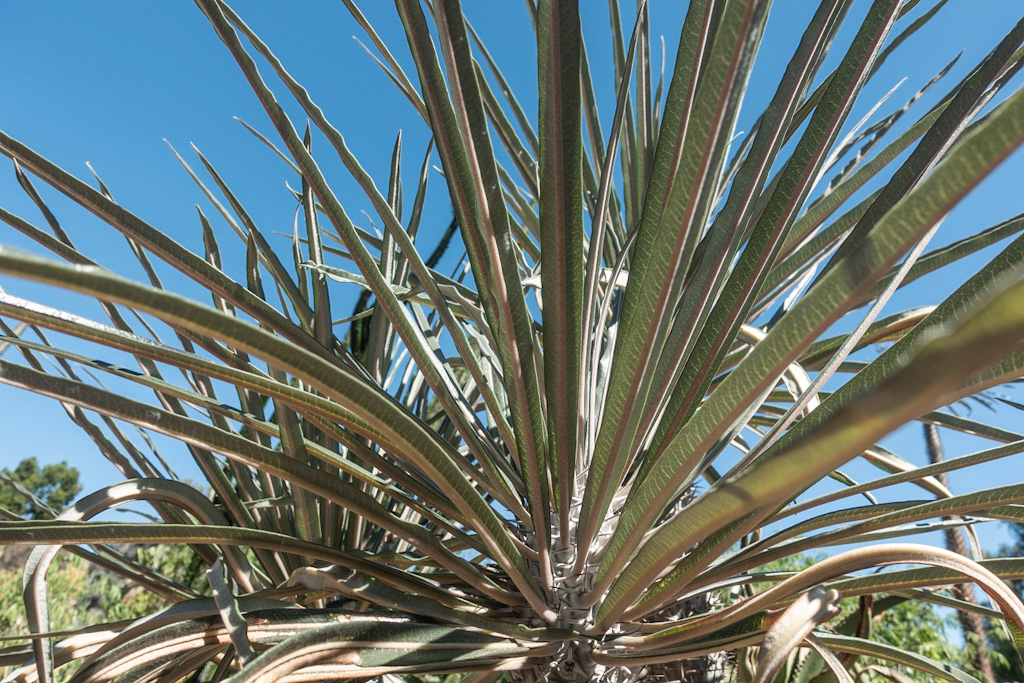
34	492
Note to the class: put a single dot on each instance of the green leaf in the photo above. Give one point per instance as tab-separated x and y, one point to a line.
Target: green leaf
561	226
968	101
463	143
683	452
719	247
378	410
388	644
966	166
907	392
454	403
698	122
265	460
164	247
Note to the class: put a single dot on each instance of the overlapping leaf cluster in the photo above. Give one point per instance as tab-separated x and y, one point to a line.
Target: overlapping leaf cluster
569	459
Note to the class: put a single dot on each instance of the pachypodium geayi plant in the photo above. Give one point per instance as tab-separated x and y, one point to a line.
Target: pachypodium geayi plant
568	459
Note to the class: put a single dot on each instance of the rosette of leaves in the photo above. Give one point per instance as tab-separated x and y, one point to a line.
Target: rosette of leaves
566	460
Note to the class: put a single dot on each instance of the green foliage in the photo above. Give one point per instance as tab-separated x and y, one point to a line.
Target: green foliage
503	469
55	485
81	596
72	585
1005	663
916	627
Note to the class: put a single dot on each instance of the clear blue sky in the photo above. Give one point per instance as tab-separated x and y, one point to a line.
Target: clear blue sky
106	82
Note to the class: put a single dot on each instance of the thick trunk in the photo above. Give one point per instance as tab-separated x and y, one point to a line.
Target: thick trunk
971	623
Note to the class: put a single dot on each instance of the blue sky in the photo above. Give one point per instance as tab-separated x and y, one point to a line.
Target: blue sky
106	83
